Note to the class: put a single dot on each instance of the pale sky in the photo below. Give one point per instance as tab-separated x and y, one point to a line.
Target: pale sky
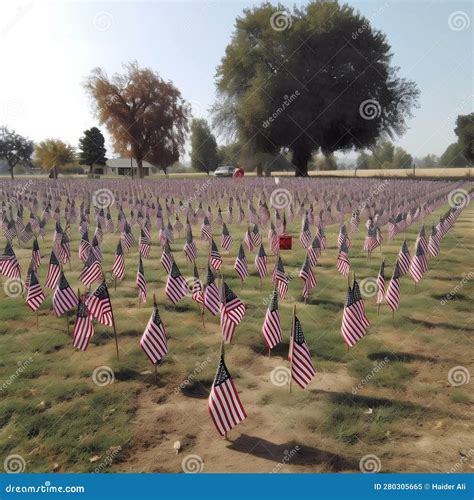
48	48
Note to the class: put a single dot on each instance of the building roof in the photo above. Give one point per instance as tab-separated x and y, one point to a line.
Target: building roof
125	163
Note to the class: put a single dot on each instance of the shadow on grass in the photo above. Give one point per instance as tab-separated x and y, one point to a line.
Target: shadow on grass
303	455
447	326
405	357
326	304
127	374
280	350
198	389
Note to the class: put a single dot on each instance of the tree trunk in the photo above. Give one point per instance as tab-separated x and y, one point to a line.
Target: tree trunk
141	175
11	171
301	157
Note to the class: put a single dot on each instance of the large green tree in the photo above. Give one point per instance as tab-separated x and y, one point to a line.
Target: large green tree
316	78
465	132
54	154
92	148
204	156
145	115
14	149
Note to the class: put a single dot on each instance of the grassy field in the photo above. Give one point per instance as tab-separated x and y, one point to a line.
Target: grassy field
389	396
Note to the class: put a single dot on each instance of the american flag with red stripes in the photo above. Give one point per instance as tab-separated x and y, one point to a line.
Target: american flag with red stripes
92	271
271	329
84	247
307	275
141	281
224	403
232	313
167	258
256	237
355	221
226	240
314	251
240	264
95	248
197	293
190	249
9	265
118	266
280	278
404	258
419	263
127	236
64	297
144	244
433	243
381	284
35	296
343	264
360	304
100	305
212	299
261	262
54	270
305	235
35	255
215	258
154	341
176	287
393	291
248	240
83	328
302	369
353	327
206	230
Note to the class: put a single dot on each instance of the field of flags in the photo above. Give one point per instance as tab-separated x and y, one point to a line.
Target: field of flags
206	238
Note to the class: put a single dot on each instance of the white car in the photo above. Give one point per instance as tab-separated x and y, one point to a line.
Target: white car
224	171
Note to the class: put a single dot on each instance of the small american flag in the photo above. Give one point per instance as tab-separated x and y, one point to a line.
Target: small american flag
9	265
95	248
240	264
83	328
280	278
433	243
232	313
248	240
355	221
206	231
154	341
419	263
54	270
381	284
261	262
35	296
144	244
226	240
127	236
64	297
305	235
343	264
92	271
36	255
167	258
307	275
212	299
352	328
360	304
100	306
141	281
196	293
190	247
271	329
224	403
215	258
176	287
118	267
393	291
256	237
302	369
404	259
314	251
84	247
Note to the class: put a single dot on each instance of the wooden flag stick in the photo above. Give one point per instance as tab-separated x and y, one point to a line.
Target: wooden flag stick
67	321
37	319
115	335
291	347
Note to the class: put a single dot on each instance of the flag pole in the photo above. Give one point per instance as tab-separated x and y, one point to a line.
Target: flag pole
291	347
115	333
